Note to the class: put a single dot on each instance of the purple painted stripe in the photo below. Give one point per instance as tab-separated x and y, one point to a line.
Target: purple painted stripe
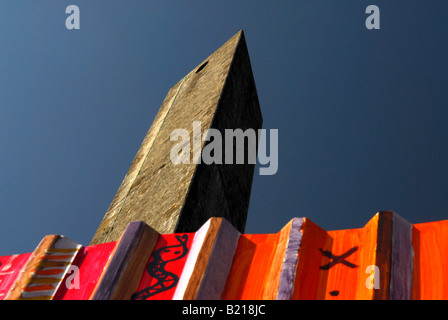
124	260
219	263
401	259
289	267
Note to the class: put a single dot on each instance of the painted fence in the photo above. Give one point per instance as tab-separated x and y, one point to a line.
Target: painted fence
388	259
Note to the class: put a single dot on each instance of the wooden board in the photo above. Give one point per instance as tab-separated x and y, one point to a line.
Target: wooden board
278	266
90	262
342	263
291	257
119	280
45	269
263	263
371	263
430	244
219	262
208	265
250	268
310	280
331	264
356	253
401	259
190	265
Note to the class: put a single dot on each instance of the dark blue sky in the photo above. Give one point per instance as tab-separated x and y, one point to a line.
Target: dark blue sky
361	114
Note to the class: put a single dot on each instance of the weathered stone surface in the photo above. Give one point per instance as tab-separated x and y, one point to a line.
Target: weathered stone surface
181	198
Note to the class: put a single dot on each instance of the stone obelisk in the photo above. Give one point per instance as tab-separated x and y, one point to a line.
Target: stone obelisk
172	198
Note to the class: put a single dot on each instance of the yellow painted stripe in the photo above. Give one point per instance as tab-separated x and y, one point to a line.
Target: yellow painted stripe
60	250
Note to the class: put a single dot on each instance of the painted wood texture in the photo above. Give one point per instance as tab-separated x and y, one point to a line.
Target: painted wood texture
430	244
10	268
343	274
383	254
119	280
164	267
45	269
209	261
401	260
90	261
301	261
200	265
289	267
190	264
342	264
331	264
392	257
259	263
310	280
219	262
353	251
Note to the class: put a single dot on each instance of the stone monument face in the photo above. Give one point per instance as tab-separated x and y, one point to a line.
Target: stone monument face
219	94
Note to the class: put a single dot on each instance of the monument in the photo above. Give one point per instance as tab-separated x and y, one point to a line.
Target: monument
172	198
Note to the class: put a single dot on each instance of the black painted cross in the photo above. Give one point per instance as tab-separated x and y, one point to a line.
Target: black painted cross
338	259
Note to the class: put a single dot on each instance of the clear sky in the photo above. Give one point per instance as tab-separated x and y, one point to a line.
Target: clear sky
361	114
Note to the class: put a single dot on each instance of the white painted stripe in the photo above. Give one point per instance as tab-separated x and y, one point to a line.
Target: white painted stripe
191	261
62	243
